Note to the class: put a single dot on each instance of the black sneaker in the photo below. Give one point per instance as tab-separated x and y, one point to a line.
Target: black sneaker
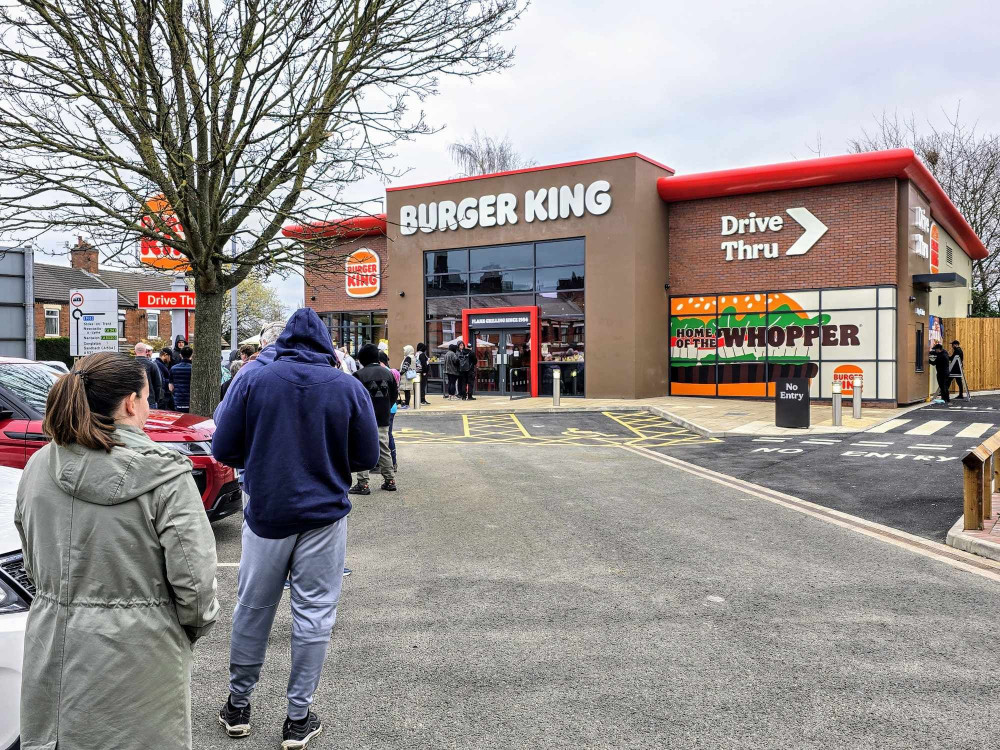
236	721
361	488
389	485
347	572
296	734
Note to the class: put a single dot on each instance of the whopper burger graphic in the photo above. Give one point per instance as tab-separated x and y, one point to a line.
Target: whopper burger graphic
741	344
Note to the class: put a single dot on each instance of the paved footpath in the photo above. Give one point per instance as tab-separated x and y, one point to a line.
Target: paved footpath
588	595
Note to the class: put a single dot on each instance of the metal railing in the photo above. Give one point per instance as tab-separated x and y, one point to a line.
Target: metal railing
980	470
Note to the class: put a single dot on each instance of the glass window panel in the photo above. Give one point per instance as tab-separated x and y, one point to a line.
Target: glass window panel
886	336
560	304
693	348
886	298
562	339
848	298
153	325
447	261
504	256
844	372
755	304
779	301
886	380
503	300
559	253
848	335
448	285
557	279
500	282
440	332
447	307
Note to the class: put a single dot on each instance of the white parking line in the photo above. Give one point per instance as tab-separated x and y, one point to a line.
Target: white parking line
771	440
891	424
929	427
820	442
930	447
873	444
974	430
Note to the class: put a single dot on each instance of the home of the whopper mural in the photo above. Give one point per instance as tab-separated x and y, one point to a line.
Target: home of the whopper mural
740	344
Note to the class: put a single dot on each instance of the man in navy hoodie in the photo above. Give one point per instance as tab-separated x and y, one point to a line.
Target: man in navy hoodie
299	426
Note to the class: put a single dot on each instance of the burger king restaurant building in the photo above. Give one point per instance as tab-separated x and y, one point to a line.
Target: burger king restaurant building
635	282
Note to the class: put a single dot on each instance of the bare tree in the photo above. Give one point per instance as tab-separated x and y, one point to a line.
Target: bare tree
483	154
240	114
967	164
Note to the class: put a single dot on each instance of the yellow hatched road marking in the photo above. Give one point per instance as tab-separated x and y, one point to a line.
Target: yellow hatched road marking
520	426
465	425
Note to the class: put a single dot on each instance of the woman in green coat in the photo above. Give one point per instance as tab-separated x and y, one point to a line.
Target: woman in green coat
123	558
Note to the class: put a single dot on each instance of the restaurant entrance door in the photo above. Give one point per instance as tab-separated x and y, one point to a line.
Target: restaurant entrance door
503	361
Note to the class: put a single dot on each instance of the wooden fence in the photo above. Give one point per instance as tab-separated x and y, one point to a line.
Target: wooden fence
980	339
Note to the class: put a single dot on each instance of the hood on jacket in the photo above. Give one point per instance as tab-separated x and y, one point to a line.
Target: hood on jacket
407	351
305	339
100	478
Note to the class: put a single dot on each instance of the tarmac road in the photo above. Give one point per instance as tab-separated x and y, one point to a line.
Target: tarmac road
579	596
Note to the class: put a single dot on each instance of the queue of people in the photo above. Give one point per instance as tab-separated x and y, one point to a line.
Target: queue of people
146	592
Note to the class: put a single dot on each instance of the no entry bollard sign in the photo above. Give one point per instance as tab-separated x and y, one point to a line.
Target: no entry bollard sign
791	402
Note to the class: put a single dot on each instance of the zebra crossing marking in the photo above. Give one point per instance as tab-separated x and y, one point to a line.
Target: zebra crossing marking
890	425
929	427
974	430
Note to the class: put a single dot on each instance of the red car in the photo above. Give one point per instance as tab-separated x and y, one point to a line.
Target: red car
24	388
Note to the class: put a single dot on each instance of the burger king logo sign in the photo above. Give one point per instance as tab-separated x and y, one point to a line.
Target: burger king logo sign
845	375
364	273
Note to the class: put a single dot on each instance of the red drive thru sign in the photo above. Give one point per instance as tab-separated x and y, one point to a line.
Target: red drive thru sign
166	300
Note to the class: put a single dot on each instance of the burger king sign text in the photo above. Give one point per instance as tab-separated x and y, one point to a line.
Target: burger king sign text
364	273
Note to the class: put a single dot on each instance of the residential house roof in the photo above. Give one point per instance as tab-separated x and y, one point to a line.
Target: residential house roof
52	283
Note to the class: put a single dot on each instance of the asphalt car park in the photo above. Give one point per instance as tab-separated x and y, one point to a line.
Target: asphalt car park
576	594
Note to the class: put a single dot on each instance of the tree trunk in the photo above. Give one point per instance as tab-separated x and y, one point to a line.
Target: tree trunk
207	374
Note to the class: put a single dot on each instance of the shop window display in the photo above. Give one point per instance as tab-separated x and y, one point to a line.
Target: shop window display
549	275
738	345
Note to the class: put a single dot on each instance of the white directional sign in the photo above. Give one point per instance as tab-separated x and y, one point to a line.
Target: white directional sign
753	225
814	230
93	321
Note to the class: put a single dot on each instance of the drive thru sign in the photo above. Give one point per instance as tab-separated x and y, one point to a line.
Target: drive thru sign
93	321
166	300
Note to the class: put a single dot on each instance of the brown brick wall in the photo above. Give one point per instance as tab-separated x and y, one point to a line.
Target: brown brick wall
858	249
327	292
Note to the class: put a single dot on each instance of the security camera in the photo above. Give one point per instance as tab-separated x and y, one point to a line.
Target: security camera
402	294
666	287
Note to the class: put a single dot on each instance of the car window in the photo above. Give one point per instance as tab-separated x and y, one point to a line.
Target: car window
31	383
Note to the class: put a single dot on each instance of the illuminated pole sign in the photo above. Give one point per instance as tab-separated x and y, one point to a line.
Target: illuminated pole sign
154	253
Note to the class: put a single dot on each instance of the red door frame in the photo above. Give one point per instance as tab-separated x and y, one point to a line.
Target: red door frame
532	311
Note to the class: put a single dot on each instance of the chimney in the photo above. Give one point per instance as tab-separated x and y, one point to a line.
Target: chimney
84	256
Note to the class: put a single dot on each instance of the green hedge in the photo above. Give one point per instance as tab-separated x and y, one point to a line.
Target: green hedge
53	350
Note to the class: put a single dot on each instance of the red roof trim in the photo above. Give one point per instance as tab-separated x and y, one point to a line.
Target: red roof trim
356	226
900	163
633	155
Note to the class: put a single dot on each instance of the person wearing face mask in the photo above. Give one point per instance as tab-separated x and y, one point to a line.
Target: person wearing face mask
118	545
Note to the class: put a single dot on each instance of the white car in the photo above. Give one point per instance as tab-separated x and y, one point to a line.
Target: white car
16	593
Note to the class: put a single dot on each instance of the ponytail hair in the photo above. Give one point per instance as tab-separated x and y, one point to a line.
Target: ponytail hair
81	405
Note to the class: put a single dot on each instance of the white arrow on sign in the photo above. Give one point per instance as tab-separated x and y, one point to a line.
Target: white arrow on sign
814	230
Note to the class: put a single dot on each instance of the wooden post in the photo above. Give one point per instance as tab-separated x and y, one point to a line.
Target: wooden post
974	498
991	487
987	488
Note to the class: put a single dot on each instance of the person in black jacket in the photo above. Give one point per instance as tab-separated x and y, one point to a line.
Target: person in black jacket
176	354
424	369
956	371
166	400
382	388
939	358
142	353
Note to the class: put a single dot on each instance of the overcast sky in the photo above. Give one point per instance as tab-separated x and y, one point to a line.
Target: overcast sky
713	85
